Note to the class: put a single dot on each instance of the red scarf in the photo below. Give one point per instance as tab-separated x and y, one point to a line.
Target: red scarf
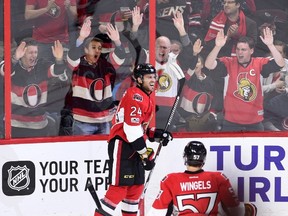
219	22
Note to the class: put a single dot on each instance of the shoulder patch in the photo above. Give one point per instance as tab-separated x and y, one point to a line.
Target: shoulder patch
138	97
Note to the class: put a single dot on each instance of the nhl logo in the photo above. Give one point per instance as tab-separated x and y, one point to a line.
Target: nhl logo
18	178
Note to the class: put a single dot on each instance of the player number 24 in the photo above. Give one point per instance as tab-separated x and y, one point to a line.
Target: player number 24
135	111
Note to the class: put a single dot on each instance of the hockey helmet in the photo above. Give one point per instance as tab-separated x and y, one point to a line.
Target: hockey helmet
142	69
195	153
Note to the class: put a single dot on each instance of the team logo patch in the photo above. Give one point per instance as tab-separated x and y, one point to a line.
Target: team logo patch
135	120
165	82
137	97
54	11
18	178
246	89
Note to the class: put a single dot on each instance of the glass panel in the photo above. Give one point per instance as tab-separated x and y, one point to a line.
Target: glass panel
23	110
38	86
73	93
174	55
206	93
53	98
97	108
1	77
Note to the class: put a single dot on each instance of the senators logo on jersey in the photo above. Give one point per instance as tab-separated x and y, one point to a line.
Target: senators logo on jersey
246	89
165	82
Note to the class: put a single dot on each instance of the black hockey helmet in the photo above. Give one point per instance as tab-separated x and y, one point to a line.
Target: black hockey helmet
194	153
141	69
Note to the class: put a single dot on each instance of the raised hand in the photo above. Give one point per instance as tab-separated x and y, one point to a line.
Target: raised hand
85	30
113	33
267	37
20	51
197	47
137	17
179	22
57	50
221	38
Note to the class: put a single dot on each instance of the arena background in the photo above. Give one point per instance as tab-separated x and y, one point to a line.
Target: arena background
51	178
48	176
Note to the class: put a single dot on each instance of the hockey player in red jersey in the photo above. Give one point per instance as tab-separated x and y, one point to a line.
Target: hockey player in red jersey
195	191
129	156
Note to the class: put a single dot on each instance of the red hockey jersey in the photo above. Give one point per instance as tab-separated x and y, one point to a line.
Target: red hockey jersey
133	115
243	94
194	193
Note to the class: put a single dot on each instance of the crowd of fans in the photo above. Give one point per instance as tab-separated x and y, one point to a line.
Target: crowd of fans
72	61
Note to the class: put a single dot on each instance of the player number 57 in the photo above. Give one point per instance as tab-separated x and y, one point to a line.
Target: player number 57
210	196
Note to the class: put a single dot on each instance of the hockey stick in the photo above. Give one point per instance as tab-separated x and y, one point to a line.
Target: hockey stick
181	79
96	200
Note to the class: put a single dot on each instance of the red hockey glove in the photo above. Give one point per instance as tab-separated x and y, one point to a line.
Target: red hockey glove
159	135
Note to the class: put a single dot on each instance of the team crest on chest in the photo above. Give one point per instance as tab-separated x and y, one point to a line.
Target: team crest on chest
246	90
165	82
54	11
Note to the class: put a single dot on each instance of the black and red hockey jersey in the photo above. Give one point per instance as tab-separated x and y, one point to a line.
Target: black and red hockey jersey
92	85
197	95
29	92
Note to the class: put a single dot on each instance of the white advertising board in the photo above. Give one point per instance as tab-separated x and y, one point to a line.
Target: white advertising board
51	178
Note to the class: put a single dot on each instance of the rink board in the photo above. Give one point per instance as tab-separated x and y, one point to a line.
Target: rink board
51	178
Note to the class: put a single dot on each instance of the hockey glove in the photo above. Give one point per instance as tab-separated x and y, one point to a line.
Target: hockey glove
159	135
149	154
148	160
148	164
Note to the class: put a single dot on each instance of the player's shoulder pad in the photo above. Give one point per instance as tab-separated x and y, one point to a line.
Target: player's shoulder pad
217	174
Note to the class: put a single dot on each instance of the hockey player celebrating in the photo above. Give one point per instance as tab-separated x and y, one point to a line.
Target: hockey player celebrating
129	156
195	191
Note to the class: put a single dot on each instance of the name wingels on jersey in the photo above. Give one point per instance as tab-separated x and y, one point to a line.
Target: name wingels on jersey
195	185
195	192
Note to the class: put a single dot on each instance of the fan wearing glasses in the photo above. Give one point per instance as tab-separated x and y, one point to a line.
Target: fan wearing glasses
234	23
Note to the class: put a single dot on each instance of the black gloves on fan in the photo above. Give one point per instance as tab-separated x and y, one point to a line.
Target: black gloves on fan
159	135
